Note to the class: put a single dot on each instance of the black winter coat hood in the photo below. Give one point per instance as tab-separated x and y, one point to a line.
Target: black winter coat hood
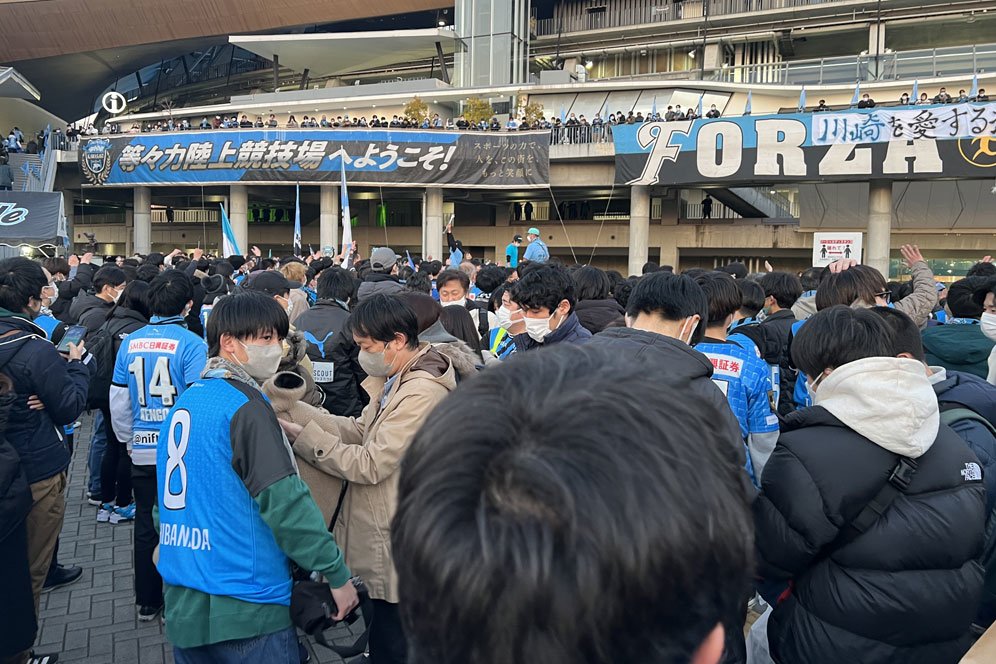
905	590
597	315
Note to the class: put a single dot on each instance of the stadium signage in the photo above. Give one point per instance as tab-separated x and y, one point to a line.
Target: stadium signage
370	157
907	143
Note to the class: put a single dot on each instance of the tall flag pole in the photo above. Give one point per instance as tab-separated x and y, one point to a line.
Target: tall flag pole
297	221
857	94
347	229
229	246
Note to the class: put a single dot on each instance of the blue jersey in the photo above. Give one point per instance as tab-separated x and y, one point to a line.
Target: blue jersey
744	378
156	363
500	343
221	447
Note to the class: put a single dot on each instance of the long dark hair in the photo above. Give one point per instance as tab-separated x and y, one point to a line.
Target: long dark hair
457	321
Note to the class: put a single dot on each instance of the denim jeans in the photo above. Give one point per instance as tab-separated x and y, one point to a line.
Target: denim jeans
96	456
276	648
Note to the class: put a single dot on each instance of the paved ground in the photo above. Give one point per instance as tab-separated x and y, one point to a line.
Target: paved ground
94	620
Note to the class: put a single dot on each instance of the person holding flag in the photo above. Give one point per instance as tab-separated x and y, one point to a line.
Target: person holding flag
297	221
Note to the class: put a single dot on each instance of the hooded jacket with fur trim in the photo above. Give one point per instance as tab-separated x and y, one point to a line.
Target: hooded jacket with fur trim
907	588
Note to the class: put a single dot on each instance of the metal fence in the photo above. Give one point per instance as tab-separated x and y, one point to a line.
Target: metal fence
903	65
581	17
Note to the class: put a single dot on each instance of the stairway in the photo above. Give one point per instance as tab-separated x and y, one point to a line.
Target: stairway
17	162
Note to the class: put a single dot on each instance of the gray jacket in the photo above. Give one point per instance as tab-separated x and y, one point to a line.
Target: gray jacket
6	175
378	282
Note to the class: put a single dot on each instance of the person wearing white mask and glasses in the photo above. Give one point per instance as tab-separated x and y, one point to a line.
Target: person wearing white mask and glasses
407	379
546	296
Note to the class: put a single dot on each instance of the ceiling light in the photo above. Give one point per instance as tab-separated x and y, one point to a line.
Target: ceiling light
86	200
691	54
442	23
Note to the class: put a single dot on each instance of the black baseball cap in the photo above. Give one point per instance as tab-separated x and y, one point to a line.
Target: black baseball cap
517	238
737	269
267	281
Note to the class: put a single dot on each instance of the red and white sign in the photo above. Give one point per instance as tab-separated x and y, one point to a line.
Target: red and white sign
830	247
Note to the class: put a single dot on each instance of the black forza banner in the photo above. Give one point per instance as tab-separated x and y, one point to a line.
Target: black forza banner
368	156
31	217
918	142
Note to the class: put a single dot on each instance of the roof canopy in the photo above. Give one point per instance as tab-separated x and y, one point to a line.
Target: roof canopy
12	84
332	54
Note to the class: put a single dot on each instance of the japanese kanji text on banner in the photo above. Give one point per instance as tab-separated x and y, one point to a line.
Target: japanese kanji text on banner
830	247
372	157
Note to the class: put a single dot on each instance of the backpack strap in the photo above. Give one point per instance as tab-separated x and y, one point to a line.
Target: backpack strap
952	411
899	480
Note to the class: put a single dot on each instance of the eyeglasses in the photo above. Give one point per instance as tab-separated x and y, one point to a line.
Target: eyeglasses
885	295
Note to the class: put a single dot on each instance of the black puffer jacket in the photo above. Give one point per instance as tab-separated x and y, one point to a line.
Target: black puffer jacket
596	315
905	590
15	495
333	354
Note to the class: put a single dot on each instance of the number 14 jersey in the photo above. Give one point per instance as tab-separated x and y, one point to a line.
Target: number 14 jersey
156	364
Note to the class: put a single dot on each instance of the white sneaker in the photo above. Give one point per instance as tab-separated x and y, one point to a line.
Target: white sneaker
105	512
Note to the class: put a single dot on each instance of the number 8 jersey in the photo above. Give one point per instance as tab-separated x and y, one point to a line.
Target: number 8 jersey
154	365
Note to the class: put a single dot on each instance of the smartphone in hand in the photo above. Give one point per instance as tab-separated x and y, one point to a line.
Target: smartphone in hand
74	335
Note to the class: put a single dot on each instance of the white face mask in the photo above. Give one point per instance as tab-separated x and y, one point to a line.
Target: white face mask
988	324
687	331
117	295
504	316
462	302
811	388
538	329
262	360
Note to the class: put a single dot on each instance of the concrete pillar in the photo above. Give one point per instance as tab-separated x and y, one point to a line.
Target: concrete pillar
238	215
143	220
877	241
639	228
129	232
876	46
328	219
432	223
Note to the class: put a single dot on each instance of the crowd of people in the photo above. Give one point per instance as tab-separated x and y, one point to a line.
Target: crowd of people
510	461
566	129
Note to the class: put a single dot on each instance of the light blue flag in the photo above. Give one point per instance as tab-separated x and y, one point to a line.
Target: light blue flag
802	99
915	97
411	263
297	221
563	115
347	228
698	112
653	107
747	106
229	246
857	94
975	87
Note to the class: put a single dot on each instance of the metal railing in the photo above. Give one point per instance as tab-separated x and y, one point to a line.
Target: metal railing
718	212
196	216
576	17
903	65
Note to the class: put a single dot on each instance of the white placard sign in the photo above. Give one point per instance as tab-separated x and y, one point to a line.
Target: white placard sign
830	247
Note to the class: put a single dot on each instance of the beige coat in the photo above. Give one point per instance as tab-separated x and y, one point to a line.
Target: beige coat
366	451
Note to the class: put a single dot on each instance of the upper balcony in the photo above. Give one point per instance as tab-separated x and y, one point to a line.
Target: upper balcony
571	17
